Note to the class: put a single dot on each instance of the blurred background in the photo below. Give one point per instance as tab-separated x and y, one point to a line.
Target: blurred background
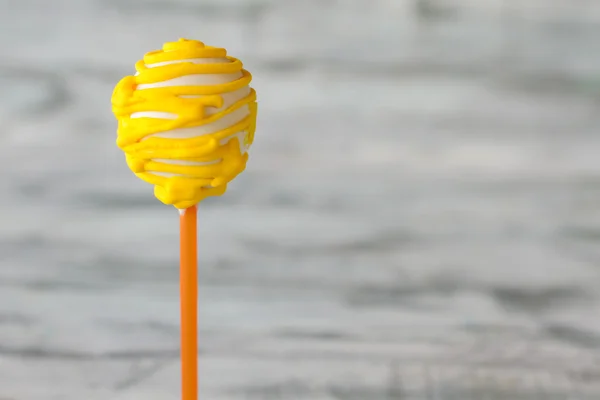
419	219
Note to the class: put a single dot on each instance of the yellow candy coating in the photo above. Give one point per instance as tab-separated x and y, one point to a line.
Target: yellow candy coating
189	139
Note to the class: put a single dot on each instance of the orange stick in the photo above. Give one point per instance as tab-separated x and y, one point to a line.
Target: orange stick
189	302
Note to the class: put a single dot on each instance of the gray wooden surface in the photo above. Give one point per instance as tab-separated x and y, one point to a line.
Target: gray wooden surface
419	219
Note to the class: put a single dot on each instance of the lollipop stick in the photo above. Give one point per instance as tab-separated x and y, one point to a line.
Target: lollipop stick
189	303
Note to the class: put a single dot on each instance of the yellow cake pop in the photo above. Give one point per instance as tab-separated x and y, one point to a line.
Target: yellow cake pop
186	120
